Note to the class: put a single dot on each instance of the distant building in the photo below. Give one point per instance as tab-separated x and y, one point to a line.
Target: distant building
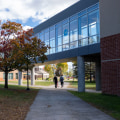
40	74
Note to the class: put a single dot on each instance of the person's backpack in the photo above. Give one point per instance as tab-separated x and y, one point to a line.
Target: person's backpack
61	79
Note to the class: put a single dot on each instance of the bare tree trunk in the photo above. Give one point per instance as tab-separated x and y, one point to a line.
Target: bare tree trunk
27	79
6	79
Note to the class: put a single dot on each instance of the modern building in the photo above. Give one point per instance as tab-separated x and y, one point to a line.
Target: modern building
89	31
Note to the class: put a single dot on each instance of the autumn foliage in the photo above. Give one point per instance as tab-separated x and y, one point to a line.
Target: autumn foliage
19	48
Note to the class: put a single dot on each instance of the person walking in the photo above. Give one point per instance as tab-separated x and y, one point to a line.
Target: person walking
62	80
55	81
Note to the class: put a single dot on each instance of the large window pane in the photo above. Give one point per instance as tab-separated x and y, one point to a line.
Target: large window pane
47	42
73	31
93	19
42	36
83	42
47	53
52	34
74	44
10	76
52	50
47	36
65	47
59	40
65	33
92	29
58	35
52	41
59	49
83	28
93	39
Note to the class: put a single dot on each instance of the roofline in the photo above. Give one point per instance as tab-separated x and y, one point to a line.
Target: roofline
75	8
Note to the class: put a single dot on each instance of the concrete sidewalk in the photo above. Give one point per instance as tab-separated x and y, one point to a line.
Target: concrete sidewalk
58	104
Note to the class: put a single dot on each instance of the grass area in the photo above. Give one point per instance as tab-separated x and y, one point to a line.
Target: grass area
88	85
15	102
106	103
42	83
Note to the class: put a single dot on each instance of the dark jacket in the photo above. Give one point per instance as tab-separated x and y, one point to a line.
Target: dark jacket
55	79
61	79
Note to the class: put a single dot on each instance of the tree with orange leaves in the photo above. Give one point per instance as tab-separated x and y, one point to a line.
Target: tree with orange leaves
18	48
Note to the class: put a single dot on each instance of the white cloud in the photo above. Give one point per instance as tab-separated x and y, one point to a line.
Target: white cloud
36	9
26	28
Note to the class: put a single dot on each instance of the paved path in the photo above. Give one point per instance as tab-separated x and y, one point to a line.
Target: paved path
58	104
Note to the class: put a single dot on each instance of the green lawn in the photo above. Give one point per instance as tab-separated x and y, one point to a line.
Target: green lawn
15	102
107	103
46	83
88	85
42	83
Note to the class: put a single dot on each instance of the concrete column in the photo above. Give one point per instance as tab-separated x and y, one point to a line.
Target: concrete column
98	76
19	78
33	76
81	74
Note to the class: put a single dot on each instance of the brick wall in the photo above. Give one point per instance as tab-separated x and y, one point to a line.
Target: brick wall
110	61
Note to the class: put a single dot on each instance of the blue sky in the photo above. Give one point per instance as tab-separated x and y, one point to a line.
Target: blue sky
30	13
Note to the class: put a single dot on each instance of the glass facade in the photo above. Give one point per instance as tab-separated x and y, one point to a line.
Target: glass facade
81	29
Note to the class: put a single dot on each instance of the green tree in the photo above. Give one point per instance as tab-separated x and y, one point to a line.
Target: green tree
70	73
49	69
32	51
9	60
19	49
61	68
75	69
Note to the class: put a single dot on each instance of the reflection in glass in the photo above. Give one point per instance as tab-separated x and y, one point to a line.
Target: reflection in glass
59	40
93	19
74	44
52	34
92	29
59	49
83	29
66	33
47	53
52	40
83	42
83	26
73	31
94	39
41	36
58	35
52	50
52	43
46	36
65	47
47	42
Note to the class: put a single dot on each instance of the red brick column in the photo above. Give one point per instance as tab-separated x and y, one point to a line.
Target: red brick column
110	64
